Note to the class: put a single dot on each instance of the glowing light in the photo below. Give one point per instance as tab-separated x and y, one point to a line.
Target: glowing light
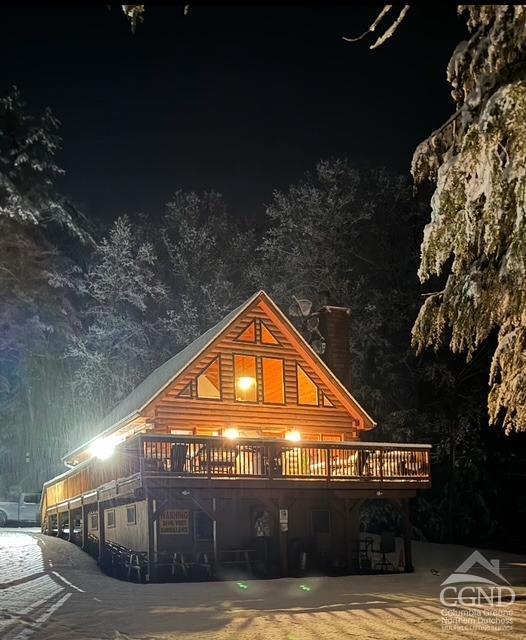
103	448
304	587
245	383
232	433
293	436
242	585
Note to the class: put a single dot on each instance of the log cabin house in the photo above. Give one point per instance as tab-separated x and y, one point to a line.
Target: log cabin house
243	450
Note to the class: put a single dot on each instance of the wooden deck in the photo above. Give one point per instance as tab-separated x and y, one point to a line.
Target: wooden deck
184	461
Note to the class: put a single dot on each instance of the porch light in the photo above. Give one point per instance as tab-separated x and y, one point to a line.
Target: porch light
103	448
293	436
245	383
231	434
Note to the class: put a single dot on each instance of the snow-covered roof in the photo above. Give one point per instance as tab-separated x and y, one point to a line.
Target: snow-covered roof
142	395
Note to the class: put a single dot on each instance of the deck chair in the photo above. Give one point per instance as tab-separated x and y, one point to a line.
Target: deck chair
179	457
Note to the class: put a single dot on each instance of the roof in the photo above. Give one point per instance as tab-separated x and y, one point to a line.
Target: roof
131	407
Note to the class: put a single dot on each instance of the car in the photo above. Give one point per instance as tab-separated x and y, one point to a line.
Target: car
23	508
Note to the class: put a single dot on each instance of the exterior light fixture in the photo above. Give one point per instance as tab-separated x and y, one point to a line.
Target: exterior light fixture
231	433
293	436
103	448
245	383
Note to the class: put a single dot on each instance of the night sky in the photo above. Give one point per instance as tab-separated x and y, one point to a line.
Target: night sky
239	99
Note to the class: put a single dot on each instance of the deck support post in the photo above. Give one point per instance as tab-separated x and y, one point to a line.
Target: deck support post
102	532
85	526
70	524
214	530
407	534
151	539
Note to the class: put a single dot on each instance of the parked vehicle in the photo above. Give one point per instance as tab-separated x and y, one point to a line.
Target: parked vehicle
23	508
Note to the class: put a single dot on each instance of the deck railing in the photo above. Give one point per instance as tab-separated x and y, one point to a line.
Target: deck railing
216	457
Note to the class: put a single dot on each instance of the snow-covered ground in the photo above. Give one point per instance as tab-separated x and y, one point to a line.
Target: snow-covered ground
50	589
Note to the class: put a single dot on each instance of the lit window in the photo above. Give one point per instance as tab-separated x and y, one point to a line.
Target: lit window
246	378
186	392
307	389
248	334
267	337
209	382
273	383
325	401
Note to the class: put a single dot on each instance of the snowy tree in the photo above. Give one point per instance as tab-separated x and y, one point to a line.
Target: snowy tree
28	146
210	256
354	234
122	297
36	318
476	239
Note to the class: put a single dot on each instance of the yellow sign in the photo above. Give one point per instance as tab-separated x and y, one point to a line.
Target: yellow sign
175	522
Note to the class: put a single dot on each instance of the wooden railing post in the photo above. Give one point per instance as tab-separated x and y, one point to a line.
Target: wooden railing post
208	461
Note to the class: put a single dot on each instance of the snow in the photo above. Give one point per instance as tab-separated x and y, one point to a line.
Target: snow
72	599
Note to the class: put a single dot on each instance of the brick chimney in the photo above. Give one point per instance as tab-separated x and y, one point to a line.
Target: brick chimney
335	327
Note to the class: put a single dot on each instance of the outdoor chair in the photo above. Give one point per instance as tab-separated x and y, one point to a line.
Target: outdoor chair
178	459
387	545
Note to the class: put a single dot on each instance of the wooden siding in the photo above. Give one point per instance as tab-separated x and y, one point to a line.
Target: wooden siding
204	417
90	476
131	536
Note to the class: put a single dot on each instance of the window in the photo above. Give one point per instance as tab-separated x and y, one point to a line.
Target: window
209	382
245	373
203	526
273	383
307	389
267	337
186	392
32	498
248	334
325	401
110	518
321	521
94	520
131	514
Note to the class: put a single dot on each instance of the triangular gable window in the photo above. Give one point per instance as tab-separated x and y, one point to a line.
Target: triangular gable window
186	392
209	382
267	337
248	334
307	389
325	401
